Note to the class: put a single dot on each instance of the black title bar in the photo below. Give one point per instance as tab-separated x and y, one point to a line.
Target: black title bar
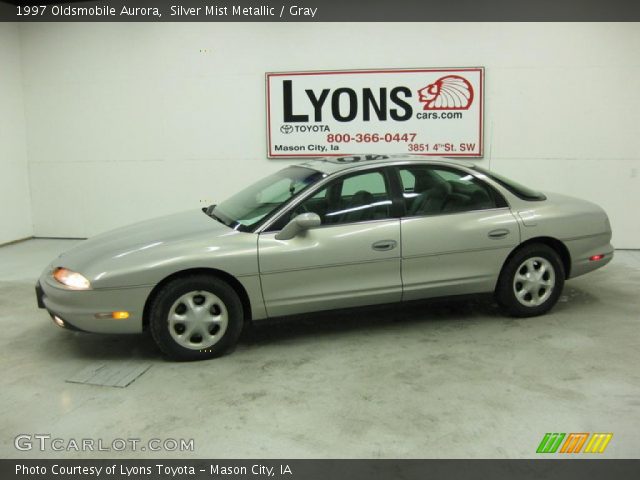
321	11
560	469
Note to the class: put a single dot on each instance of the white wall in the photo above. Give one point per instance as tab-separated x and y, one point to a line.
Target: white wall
15	203
129	121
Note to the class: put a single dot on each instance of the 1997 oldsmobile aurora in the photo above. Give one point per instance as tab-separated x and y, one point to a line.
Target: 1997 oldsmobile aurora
327	234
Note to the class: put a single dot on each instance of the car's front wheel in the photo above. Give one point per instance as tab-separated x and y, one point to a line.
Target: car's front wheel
531	281
195	317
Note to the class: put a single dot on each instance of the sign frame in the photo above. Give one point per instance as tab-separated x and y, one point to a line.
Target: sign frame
444	70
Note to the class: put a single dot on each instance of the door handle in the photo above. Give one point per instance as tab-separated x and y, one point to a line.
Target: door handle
383	245
498	233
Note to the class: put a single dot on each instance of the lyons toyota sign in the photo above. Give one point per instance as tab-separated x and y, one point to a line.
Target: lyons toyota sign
428	111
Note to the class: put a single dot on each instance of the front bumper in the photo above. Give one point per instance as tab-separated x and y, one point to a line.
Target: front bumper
78	308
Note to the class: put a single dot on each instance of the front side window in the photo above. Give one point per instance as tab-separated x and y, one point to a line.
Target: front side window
356	198
432	190
247	208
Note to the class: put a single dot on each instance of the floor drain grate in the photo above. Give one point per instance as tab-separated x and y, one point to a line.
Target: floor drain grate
118	375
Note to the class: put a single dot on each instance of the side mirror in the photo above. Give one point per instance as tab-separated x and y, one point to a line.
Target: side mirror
298	224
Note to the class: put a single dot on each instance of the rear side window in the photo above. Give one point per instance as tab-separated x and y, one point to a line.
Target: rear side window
433	190
517	189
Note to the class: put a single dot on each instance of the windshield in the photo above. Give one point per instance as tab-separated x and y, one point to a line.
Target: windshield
518	190
247	208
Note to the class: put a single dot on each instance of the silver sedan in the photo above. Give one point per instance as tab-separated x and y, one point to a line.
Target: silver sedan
327	234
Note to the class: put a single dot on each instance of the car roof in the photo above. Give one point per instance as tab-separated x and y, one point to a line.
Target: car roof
331	165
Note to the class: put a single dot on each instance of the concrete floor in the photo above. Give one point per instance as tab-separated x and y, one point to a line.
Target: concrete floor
436	380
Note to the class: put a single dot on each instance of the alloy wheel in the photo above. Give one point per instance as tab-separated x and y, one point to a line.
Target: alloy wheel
534	281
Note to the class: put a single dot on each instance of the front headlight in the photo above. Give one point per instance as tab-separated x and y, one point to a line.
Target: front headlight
71	279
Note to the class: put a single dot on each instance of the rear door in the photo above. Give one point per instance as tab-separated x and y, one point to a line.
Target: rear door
456	233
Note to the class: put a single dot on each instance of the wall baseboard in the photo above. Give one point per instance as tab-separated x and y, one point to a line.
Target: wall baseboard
33	237
36	237
12	242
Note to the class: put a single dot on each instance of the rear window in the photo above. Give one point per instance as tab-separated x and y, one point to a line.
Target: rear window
517	189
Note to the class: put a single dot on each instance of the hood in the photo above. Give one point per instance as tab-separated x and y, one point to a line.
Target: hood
108	258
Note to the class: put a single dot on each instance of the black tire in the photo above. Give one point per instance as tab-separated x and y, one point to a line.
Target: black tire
529	296
179	298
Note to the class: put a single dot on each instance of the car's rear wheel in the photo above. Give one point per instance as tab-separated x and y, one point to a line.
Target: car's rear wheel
195	317
531	281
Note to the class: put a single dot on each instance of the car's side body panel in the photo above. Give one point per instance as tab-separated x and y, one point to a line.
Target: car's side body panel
458	253
253	287
125	265
583	227
330	267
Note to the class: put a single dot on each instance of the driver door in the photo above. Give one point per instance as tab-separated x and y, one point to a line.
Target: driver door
352	259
